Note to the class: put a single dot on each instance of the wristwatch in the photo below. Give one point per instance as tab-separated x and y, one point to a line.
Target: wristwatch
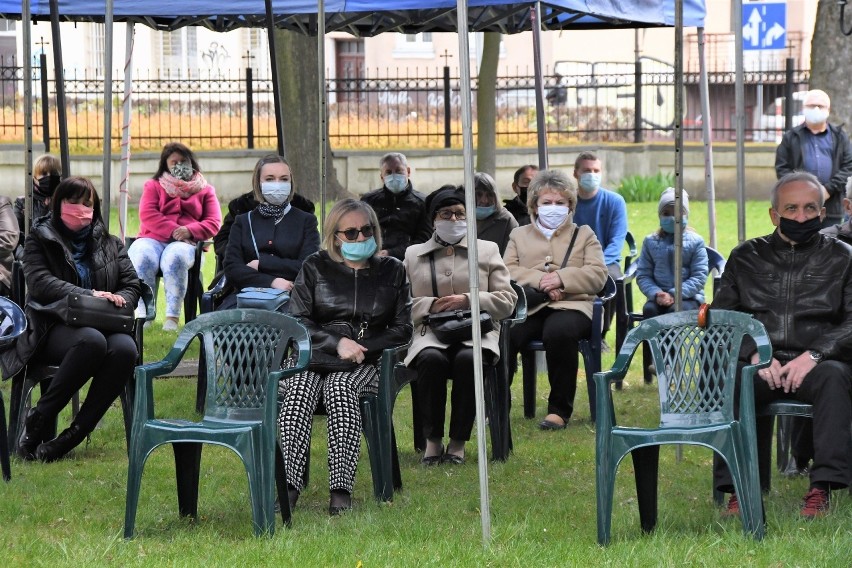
816	356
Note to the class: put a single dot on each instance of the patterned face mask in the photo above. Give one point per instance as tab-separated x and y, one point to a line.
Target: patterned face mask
182	170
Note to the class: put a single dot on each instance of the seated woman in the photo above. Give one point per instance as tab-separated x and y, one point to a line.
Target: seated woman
70	252
178	208
248	202
440	282
47	170
268	244
655	267
561	267
493	222
355	304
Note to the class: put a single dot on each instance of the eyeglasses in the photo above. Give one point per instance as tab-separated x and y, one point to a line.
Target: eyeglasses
352	234
446	215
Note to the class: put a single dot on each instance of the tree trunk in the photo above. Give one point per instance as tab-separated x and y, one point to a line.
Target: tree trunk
298	85
486	105
831	52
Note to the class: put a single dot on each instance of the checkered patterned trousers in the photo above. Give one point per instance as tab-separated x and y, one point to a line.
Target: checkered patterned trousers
340	390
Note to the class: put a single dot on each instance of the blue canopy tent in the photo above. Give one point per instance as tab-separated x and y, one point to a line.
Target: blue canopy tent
367	18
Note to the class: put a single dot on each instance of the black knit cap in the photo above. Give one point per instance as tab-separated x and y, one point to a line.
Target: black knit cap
443	197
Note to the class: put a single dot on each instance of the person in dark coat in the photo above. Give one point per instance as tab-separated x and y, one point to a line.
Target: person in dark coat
400	209
517	206
493	222
70	252
47	170
248	202
268	244
355	304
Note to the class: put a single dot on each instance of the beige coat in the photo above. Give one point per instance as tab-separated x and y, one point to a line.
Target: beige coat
583	276
495	292
8	240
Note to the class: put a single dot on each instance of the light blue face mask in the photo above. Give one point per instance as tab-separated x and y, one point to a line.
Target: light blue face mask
358	251
590	182
485	212
396	183
667	223
276	192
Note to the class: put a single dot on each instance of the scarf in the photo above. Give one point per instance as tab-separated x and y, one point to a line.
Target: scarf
548	233
276	212
78	244
178	188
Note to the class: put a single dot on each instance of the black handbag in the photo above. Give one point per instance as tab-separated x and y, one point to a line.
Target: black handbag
82	310
454	326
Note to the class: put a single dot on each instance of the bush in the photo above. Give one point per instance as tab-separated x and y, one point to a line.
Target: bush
638	188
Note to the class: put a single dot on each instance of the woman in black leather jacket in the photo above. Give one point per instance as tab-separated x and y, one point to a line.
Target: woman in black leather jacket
70	251
355	304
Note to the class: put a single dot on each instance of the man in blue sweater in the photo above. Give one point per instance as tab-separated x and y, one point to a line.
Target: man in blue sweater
605	212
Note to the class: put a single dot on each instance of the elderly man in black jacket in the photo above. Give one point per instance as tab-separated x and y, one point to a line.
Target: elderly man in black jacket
798	283
820	148
400	209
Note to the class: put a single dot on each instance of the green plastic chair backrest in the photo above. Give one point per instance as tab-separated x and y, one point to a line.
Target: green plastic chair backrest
240	348
696	366
520	313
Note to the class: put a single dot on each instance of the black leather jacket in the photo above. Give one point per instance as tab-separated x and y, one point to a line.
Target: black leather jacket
401	217
801	293
518	209
379	296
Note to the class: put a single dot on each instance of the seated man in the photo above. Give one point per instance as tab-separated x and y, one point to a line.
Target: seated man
798	283
400	209
517	206
605	212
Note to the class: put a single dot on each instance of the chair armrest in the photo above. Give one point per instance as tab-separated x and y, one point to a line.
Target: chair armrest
212	298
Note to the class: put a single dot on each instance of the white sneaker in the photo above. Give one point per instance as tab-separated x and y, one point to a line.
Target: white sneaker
146	325
170	325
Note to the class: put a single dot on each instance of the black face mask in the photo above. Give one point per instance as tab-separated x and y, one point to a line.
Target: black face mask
799	232
522	194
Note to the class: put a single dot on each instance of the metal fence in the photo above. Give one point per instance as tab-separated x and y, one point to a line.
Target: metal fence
600	102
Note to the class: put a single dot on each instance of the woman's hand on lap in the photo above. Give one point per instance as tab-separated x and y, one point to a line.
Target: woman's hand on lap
448	303
350	350
281	284
119	301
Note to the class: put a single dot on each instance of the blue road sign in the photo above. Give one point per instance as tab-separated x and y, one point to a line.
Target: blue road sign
764	26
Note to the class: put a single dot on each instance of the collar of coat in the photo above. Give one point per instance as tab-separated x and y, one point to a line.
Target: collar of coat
432	245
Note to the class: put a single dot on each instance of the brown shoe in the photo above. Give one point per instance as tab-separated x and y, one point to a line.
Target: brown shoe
815	504
733	507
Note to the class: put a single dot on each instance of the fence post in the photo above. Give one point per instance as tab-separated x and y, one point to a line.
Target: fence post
45	110
788	95
447	108
637	103
249	108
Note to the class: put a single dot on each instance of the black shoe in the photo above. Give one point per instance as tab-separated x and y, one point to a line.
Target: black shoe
340	501
32	435
61	445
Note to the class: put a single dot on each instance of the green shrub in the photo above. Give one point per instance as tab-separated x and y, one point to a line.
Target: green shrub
638	188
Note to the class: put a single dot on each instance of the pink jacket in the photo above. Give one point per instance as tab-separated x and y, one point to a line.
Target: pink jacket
160	214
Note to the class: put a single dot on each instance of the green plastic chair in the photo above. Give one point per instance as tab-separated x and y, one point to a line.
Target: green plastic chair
244	351
696	369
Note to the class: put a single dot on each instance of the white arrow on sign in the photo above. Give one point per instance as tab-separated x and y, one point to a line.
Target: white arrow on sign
751	31
773	33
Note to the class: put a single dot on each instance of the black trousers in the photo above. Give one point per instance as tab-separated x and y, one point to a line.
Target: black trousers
614	270
828	387
82	353
434	367
561	332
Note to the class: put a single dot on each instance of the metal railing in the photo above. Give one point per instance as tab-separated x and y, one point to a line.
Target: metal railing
618	102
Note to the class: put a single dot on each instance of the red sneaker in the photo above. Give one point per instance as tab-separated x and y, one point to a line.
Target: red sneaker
733	507
815	503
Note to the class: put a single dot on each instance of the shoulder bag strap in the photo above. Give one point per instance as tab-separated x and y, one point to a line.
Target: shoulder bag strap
434	276
570	247
254	242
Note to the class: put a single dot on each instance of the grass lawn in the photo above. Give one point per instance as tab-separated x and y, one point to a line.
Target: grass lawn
71	513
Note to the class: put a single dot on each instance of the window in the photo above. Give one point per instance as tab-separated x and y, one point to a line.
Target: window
96	48
416	46
255	52
177	52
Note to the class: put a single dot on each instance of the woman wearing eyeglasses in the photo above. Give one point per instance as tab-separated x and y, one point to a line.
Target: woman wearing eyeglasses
267	245
354	304
440	282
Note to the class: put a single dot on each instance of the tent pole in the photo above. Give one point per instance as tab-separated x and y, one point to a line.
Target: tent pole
107	168
125	131
706	126
276	87
59	74
540	111
323	127
473	265
739	114
678	165
26	21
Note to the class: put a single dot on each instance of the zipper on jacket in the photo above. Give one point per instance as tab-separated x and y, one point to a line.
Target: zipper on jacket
355	303
789	286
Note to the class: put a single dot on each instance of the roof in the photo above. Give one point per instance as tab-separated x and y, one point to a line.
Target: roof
371	17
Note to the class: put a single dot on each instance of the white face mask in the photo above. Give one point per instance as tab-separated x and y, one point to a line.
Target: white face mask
276	192
450	231
816	115
552	216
